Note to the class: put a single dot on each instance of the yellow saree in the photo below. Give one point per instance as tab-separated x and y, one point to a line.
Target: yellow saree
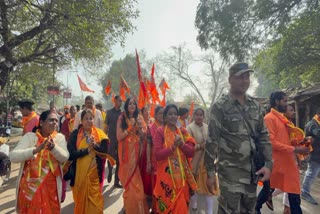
86	190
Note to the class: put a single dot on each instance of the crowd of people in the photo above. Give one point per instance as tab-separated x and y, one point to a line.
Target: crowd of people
165	159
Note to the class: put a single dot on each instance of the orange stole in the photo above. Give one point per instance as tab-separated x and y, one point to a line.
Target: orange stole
38	186
296	134
174	178
86	190
129	173
26	119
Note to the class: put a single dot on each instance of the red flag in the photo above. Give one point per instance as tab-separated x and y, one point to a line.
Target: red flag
123	88
107	90
143	94
83	86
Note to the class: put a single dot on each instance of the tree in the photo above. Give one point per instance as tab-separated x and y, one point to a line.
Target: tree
178	62
126	67
236	27
218	75
294	59
51	31
30	83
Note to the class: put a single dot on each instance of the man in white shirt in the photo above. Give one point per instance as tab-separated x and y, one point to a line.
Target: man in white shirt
89	104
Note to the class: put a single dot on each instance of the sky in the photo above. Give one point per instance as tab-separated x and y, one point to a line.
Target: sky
161	24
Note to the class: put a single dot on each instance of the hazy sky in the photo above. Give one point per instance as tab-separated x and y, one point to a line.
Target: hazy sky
161	24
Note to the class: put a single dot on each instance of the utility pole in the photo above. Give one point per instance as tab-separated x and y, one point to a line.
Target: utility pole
53	74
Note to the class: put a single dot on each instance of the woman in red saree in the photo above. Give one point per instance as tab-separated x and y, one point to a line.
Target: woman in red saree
130	135
88	148
173	147
41	153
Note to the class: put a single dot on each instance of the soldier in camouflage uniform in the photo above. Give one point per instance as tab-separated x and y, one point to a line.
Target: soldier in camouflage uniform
230	146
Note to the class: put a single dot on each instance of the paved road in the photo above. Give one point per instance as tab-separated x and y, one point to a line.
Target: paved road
113	198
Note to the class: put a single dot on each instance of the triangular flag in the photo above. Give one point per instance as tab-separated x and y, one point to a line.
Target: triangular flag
153	88
123	88
143	94
163	86
83	86
107	89
112	98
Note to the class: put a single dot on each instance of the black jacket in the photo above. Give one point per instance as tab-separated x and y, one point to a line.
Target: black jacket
75	154
313	129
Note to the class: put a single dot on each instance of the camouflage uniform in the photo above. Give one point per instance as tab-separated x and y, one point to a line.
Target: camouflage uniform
230	143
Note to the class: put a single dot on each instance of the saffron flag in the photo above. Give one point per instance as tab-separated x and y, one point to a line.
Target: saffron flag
153	88
143	94
112	98
107	89
163	86
83	86
191	109
123	88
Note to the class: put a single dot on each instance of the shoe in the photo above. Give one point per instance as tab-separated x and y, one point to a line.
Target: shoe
109	177
269	203
307	197
118	186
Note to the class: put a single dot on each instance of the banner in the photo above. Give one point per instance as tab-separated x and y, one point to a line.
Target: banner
53	90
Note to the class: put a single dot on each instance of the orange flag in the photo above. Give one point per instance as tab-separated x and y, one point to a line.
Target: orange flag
191	109
163	86
112	98
107	89
163	101
143	94
123	88
153	106
83	86
153	88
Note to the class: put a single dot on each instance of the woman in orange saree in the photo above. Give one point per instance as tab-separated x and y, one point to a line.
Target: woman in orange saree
173	147
87	147
41	153
130	135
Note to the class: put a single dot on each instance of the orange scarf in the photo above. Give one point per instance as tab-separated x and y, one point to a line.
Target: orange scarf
97	136
296	135
38	188
173	175
26	119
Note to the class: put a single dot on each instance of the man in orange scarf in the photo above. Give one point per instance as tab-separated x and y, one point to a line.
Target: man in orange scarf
312	129
285	173
30	118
